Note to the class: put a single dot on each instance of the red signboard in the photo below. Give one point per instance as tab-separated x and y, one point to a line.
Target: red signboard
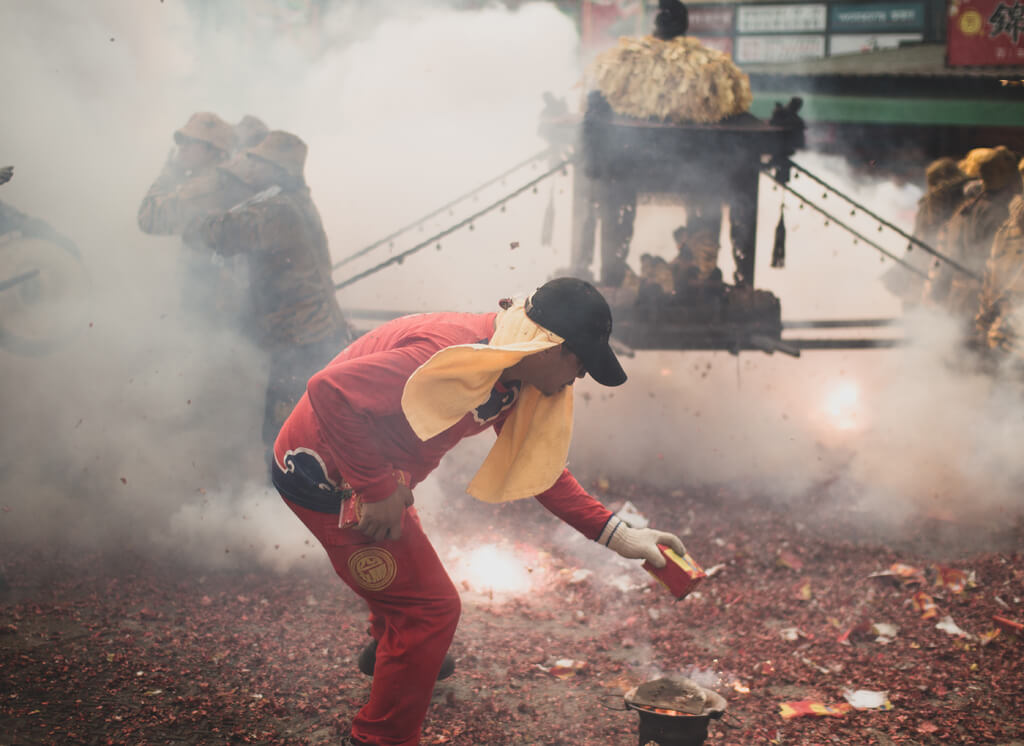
604	21
986	32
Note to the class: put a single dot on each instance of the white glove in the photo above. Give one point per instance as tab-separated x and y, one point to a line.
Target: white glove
639	543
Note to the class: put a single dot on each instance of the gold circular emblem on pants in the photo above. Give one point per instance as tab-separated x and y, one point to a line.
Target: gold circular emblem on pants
373	568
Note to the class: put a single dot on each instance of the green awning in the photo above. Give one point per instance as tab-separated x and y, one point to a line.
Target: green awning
908	111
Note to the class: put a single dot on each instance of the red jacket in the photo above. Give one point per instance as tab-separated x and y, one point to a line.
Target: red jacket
351	427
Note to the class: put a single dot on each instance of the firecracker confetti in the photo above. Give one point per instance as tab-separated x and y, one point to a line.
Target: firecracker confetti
248	655
925	605
812	708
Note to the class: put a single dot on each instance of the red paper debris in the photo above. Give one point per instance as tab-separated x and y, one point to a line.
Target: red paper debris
925	605
950	579
239	656
788	559
813	708
1009	625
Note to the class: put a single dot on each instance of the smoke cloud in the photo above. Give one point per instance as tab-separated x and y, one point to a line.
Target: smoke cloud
144	429
892	437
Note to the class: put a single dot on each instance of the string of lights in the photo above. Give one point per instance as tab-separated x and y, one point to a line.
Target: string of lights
848	228
883	222
417	223
399	258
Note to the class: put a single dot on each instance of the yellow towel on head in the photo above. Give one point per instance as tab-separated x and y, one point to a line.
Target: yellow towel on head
532	449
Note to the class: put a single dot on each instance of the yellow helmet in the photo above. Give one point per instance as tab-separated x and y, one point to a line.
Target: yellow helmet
998	169
943	171
969	165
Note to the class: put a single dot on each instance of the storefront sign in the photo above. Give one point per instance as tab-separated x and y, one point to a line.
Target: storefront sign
761	19
985	32
853	43
879	17
711	19
754	49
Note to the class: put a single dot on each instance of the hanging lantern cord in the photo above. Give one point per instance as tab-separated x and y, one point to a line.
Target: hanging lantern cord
397	258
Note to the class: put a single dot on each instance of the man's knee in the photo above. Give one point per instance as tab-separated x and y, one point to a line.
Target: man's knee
447	609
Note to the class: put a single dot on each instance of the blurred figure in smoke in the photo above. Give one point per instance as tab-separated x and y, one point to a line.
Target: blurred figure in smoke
657	272
189	186
1000	320
944	193
294	312
703	238
379	418
15	223
970	233
250	131
970	164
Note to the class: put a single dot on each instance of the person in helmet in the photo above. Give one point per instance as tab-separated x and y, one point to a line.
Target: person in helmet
188	184
1000	319
944	193
971	230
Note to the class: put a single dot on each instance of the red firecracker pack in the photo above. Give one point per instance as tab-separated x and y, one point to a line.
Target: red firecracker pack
352	506
680	574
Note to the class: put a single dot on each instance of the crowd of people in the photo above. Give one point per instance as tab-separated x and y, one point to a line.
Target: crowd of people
353	427
973	214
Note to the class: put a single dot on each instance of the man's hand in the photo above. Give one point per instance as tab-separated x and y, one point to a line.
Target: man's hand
383	520
639	543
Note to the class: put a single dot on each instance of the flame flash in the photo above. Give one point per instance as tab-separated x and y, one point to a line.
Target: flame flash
842	405
493	568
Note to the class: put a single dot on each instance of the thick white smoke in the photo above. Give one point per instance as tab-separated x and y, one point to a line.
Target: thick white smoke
895	435
145	430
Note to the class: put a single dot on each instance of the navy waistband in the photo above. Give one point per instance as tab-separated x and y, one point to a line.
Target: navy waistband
305	494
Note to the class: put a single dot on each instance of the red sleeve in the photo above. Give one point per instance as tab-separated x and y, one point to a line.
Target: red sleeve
350	397
567	499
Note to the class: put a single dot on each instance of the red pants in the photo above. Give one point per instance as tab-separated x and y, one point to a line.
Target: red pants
414	610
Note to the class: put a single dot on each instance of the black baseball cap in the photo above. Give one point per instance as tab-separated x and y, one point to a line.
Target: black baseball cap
577	312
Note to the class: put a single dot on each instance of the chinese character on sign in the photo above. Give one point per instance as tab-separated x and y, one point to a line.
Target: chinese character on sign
1007	20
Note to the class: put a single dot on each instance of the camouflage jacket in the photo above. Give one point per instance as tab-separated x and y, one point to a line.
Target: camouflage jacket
934	210
177	197
974	226
1004	273
292	295
967	239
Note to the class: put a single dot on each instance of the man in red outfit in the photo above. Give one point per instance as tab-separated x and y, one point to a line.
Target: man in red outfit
377	420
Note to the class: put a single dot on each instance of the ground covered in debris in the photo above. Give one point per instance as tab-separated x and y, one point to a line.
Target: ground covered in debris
797	614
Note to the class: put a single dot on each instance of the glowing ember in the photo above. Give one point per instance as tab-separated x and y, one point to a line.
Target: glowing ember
842	405
493	568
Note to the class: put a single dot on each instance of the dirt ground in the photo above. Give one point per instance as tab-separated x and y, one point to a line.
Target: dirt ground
117	648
